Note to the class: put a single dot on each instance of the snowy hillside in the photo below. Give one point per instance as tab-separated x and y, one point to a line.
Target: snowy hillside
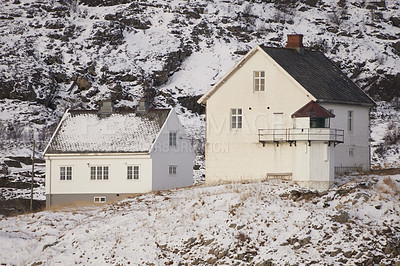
76	53
264	223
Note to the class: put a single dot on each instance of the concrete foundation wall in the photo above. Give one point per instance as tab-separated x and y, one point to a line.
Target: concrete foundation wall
55	200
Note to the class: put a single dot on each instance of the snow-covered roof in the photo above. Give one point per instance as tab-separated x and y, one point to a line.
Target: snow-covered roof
89	132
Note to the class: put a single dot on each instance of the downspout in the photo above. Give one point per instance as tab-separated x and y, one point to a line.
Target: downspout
50	183
369	139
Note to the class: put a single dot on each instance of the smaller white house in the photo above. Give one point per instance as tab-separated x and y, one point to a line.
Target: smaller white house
106	155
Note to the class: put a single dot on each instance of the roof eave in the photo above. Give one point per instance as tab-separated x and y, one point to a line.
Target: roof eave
94	153
370	104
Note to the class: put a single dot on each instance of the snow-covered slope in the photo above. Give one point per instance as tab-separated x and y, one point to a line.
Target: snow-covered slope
264	223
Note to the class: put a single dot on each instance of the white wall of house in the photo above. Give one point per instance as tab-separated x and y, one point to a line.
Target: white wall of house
236	154
355	150
81	182
164	156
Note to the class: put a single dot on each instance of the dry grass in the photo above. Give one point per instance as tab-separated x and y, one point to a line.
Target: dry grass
388	186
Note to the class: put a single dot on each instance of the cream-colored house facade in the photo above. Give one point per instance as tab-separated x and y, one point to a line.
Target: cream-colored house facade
106	155
286	113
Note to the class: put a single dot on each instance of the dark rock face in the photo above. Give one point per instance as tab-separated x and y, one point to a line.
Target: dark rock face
15	164
19	206
386	88
190	102
172	63
395	21
83	83
341	217
104	2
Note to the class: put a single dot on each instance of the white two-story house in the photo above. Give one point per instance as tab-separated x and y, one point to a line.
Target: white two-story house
104	155
286	113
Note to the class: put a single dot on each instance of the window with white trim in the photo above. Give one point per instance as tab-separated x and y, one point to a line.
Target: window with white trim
172	138
172	169
132	172
66	173
350	121
99	172
259	80
99	199
236	118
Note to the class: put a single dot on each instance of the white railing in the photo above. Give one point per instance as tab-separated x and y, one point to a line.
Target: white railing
301	134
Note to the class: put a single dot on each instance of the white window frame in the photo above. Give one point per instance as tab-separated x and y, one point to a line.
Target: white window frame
172	169
259	80
65	173
99	172
133	172
100	199
236	118
172	138
350	121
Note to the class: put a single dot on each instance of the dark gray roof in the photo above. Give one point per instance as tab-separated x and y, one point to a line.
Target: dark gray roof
319	76
85	131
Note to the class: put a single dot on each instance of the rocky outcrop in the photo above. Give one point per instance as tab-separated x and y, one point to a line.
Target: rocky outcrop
172	62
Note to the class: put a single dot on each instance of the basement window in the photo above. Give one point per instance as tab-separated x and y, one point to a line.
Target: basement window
259	80
99	199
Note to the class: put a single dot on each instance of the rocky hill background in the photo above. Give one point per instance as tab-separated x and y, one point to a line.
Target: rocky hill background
72	54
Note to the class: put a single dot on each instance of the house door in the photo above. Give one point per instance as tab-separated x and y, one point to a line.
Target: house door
279	132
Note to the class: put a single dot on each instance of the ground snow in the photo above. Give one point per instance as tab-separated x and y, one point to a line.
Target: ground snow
223	224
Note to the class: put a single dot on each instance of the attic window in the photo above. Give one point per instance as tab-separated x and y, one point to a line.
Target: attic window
259	80
172	138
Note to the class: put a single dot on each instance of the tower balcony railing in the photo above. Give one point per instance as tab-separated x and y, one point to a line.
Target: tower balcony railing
292	135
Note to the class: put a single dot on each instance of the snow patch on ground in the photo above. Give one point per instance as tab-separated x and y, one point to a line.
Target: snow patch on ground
271	221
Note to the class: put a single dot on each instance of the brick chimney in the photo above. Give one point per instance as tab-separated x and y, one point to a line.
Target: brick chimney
106	108
143	106
295	41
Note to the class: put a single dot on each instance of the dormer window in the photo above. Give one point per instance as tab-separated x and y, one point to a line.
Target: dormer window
319	117
259	80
